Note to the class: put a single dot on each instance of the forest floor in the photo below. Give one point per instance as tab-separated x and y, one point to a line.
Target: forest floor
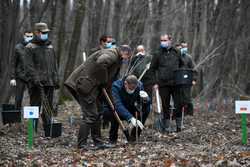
208	139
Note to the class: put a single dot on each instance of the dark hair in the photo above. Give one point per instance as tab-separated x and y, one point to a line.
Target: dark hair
169	36
126	48
104	37
177	45
27	31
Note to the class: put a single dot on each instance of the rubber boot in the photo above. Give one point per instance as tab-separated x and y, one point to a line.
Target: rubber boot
83	136
35	124
166	125
178	124
96	133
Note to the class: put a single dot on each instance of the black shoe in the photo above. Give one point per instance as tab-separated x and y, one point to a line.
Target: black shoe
112	142
83	147
101	146
178	130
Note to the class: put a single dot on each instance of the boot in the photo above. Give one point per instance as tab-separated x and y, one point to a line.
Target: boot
166	125
163	125
83	135
96	133
178	124
35	124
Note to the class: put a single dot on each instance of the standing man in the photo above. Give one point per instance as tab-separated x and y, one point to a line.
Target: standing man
43	70
185	90
85	84
19	77
139	64
105	42
165	61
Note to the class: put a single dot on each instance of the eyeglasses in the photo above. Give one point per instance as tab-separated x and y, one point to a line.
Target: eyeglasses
44	32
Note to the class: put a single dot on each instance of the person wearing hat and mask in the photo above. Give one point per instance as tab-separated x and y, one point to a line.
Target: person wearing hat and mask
19	78
43	71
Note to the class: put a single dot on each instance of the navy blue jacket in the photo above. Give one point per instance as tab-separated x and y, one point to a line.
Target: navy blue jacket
124	102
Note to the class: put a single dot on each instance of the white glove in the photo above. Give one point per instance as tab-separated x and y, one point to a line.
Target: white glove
13	82
143	95
136	123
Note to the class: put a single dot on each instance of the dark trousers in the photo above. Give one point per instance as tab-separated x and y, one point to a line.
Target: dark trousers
186	99
36	99
113	132
90	116
165	93
19	92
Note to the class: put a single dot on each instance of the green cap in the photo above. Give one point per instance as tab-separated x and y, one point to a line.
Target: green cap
42	27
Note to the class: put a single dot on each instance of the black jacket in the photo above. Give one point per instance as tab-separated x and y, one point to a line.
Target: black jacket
18	63
42	67
164	63
138	65
188	63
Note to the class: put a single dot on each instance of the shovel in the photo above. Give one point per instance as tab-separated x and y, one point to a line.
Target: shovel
125	131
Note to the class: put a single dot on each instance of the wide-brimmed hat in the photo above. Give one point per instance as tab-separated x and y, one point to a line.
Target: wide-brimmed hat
42	27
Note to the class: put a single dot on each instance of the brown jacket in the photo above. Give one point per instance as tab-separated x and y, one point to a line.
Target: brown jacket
99	69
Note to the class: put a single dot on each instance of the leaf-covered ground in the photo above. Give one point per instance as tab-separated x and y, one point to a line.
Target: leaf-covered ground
208	139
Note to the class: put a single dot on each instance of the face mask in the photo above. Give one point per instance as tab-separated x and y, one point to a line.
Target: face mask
108	45
130	91
125	61
140	53
164	44
184	50
27	39
44	37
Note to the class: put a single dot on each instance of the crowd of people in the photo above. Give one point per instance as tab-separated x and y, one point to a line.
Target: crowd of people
128	77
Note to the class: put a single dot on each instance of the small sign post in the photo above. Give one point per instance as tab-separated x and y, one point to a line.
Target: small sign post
243	107
30	112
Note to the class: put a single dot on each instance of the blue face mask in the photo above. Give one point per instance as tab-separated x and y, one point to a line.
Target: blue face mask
108	45
44	37
184	51
27	39
125	61
164	44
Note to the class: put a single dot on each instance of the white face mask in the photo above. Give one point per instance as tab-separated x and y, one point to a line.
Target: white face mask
28	39
140	53
130	91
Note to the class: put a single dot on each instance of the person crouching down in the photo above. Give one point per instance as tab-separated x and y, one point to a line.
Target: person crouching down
127	95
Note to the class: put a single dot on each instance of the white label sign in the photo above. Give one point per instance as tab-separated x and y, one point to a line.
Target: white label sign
31	112
242	107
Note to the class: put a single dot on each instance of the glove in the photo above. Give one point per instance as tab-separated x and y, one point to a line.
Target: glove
136	123
144	95
13	82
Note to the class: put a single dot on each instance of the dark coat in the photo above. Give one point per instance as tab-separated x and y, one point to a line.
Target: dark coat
18	63
42	67
188	63
164	63
99	69
138	65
